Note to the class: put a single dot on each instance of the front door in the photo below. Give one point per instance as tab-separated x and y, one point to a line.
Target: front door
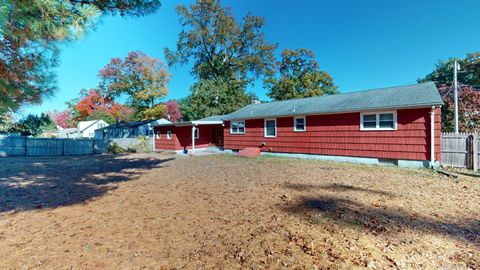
217	136
220	136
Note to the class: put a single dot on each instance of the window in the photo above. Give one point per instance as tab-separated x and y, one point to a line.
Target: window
378	121
169	135
299	124
270	128
237	127
369	121
158	134
386	121
197	133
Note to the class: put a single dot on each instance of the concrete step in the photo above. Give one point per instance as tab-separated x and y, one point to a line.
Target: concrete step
250	152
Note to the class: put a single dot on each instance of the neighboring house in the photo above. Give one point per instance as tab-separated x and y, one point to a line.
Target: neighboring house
130	129
49	134
68	133
84	129
393	125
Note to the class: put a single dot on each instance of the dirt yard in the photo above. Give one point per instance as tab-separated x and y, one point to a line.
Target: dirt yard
152	211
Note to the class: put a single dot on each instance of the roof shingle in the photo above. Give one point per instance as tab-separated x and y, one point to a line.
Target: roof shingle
409	96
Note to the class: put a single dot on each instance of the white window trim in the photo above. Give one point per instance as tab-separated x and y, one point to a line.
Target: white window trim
265	128
244	127
169	135
197	135
295	123
377	127
158	135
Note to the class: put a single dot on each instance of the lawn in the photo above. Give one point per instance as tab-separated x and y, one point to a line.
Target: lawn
152	211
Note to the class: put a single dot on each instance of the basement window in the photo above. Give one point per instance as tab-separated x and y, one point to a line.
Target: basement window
387	162
237	127
378	121
270	128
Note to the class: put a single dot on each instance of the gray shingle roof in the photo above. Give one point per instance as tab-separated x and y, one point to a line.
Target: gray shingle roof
417	95
129	124
213	118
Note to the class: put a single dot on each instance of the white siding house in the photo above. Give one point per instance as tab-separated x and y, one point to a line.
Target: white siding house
84	129
87	128
67	132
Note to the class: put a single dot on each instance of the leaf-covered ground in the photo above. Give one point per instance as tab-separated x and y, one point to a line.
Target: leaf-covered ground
151	211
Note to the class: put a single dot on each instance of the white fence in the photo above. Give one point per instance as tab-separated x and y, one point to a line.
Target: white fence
24	146
461	150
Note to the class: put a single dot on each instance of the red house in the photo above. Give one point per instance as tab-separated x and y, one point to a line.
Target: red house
396	125
189	136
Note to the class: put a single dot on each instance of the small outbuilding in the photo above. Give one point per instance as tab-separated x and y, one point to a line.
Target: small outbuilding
130	129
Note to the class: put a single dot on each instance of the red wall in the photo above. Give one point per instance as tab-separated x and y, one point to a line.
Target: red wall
340	135
182	137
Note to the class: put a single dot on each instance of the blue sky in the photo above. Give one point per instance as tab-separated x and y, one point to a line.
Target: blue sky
362	44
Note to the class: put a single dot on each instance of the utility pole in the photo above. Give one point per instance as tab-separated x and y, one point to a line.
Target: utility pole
455	69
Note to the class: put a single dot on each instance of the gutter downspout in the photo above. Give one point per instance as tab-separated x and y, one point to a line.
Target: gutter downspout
432	138
193	139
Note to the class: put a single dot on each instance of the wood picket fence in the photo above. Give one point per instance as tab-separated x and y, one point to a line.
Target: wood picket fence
461	150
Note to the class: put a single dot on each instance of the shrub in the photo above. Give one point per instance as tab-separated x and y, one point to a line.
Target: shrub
114	148
143	145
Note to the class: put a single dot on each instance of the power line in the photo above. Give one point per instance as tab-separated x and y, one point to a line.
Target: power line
449	90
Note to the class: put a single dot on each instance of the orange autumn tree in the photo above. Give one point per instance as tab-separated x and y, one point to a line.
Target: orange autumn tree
139	78
90	104
96	106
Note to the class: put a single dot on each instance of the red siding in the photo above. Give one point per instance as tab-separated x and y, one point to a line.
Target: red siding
182	137
340	135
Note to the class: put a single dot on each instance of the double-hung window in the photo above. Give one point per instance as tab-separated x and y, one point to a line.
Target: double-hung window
237	127
270	128
299	124
378	121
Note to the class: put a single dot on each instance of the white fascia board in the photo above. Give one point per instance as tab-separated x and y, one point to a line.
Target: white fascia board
207	122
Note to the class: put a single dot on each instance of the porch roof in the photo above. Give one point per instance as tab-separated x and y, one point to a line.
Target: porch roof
192	123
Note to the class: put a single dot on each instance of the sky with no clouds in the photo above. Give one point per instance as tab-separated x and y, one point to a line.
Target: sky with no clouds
363	44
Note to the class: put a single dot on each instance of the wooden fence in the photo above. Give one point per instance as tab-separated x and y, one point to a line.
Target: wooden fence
461	150
24	146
